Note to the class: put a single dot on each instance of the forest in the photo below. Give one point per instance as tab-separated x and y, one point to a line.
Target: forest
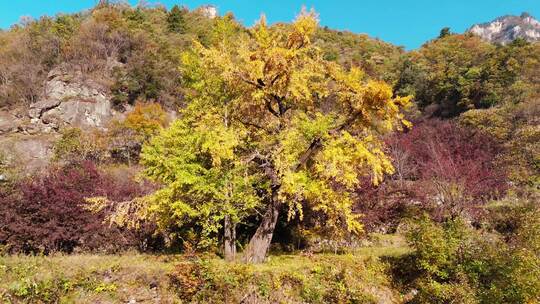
284	163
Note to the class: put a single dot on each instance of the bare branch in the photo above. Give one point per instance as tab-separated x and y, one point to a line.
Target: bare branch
269	107
248	81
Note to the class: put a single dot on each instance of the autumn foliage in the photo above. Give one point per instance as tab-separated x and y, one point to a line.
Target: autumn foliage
126	137
440	167
271	126
424	165
45	214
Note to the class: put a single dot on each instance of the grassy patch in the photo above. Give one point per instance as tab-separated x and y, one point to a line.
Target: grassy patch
84	279
357	277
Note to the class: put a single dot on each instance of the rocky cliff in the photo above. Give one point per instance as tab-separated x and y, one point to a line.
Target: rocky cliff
69	100
506	29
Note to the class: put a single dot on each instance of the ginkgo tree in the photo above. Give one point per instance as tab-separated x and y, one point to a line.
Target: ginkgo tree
271	126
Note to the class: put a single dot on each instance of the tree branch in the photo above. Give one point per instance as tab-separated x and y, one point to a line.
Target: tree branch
265	163
279	101
269	107
313	148
345	124
248	81
251	124
275	78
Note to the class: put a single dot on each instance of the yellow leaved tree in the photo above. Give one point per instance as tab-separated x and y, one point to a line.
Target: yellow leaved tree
271	126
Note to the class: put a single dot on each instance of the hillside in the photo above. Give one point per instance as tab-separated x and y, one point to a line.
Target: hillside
156	155
52	78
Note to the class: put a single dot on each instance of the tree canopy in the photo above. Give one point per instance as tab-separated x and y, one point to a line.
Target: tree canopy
271	124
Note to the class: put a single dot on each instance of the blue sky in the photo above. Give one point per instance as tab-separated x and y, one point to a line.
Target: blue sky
403	22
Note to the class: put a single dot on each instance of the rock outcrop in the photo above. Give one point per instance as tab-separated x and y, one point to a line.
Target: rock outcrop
506	29
70	100
9	123
209	11
27	136
28	152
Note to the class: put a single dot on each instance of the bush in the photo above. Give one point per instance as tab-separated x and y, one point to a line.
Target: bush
285	279
457	166
456	263
441	168
122	142
45	214
76	146
516	128
127	137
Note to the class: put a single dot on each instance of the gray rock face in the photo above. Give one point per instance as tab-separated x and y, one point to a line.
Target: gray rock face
209	11
506	29
37	109
70	100
27	138
8	123
30	152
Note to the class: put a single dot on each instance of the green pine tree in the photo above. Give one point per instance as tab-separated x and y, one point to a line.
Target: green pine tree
175	20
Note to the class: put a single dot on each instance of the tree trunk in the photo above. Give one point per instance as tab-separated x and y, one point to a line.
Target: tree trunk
260	242
229	240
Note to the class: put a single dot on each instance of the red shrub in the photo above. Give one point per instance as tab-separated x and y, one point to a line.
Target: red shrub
45	214
440	166
443	151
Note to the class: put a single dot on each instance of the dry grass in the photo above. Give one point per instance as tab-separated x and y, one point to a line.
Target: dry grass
86	279
358	277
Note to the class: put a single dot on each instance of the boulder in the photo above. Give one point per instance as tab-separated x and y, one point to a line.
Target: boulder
28	152
8	123
37	109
